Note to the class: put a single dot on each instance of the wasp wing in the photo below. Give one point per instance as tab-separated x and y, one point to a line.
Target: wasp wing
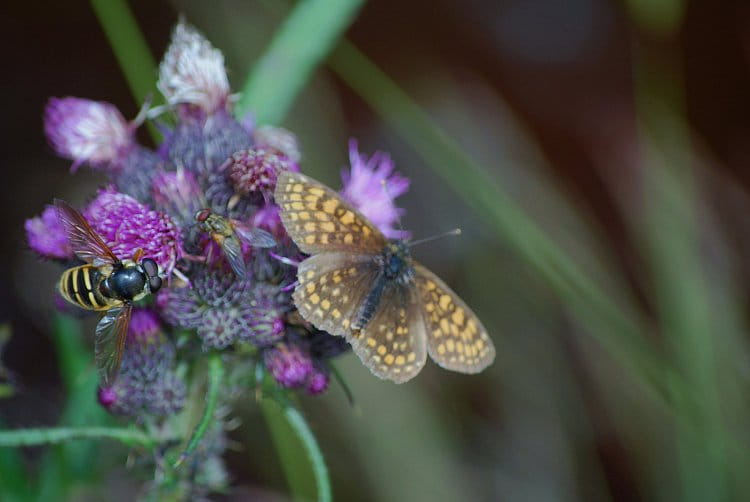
256	237
111	333
86	243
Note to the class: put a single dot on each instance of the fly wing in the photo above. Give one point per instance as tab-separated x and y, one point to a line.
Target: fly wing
111	333
256	237
86	243
233	252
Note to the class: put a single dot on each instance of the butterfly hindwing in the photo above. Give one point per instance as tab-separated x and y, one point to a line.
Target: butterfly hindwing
392	344
331	288
319	220
456	338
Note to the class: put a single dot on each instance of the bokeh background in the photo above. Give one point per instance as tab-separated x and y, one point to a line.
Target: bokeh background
596	155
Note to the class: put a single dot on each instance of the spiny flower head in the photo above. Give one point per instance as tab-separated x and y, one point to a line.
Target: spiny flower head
86	131
126	225
46	235
192	72
371	186
255	170
147	384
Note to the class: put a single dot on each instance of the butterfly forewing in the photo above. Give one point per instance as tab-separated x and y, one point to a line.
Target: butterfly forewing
456	338
111	333
85	242
319	220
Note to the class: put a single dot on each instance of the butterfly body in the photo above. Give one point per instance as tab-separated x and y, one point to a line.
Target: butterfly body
394	270
359	285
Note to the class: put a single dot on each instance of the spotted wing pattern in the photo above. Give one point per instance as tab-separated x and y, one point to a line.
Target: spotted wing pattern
319	220
456	338
111	333
86	243
333	286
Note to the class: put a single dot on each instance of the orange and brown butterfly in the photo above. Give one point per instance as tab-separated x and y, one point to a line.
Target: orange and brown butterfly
362	286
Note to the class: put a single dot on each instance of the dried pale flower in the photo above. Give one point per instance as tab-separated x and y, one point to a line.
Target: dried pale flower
193	73
178	194
279	139
86	131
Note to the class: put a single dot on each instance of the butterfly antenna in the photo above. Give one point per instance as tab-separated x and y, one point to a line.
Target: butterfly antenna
455	231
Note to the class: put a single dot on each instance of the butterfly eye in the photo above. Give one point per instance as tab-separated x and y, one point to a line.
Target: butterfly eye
150	267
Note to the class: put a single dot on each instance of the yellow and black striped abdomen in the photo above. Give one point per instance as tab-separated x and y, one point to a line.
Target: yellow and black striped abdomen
80	286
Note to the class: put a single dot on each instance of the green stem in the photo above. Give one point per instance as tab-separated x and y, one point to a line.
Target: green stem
283	418
621	333
32	437
215	378
299	46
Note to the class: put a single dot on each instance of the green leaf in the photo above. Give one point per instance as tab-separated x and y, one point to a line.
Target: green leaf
301	43
306	474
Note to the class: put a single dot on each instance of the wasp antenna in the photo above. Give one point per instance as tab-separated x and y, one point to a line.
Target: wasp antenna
455	231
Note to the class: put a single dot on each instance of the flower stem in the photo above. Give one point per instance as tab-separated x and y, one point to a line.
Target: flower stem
282	417
53	435
300	44
215	378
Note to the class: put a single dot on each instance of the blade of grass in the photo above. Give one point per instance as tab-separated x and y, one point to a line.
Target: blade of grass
618	328
66	463
674	244
128	45
299	46
291	433
53	435
131	50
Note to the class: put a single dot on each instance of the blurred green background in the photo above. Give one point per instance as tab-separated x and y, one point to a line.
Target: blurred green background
595	154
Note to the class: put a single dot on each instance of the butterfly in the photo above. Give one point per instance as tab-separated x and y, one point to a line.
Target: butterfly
366	288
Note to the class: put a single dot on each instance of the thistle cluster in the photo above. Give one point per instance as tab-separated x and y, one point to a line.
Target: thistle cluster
207	159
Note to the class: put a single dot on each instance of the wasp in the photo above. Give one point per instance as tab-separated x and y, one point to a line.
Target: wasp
104	284
229	235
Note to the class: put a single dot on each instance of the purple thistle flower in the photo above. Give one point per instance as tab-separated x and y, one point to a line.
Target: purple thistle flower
280	140
144	325
86	131
268	218
147	383
178	194
193	73
255	170
224	309
46	235
289	364
126	225
371	186
318	381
